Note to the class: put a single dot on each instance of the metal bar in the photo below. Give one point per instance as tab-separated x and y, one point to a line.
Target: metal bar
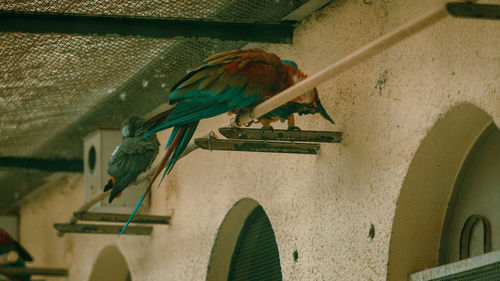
257	146
359	56
107	217
54	165
471	10
30	279
102	229
47	271
281	135
59	23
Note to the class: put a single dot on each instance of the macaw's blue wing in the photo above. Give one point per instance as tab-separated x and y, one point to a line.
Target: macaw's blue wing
228	81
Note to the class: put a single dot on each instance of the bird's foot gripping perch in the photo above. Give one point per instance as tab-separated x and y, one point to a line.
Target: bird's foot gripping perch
235	122
268	128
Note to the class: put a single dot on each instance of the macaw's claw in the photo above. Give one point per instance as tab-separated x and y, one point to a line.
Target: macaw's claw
263	128
294	128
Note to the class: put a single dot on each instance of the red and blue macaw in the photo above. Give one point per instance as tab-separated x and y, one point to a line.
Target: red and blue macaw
8	244
233	81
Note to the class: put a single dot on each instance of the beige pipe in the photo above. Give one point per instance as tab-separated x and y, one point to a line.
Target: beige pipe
345	63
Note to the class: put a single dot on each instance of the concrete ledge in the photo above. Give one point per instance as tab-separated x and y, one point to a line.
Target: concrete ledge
456	267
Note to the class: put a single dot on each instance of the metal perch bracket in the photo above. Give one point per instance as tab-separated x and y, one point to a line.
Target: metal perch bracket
111	228
277	141
471	10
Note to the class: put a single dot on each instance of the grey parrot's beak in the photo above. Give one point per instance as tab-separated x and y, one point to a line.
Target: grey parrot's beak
323	112
113	195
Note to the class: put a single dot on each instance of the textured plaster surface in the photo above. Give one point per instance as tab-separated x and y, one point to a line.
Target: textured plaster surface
322	205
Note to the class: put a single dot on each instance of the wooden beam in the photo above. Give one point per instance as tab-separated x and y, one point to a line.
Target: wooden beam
102	229
148	27
107	217
46	271
257	146
281	135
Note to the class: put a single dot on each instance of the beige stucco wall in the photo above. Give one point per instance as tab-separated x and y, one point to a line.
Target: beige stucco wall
320	205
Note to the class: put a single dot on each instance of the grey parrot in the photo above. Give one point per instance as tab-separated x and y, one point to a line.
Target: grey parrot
133	156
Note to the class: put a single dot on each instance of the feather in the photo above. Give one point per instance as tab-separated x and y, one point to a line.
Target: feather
227	82
173	144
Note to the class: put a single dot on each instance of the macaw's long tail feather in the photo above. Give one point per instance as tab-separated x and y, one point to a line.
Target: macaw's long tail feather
186	137
153	121
173	144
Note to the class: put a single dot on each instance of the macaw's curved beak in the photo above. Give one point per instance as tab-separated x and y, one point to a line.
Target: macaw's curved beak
323	112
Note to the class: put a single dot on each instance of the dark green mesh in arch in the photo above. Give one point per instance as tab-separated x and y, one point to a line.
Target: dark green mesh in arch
256	255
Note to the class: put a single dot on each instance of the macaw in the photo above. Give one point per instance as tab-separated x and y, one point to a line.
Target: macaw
307	103
8	244
233	81
133	156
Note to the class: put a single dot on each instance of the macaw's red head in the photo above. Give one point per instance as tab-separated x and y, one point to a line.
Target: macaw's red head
309	101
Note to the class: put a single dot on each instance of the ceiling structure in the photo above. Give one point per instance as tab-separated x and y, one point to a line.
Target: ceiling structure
57	88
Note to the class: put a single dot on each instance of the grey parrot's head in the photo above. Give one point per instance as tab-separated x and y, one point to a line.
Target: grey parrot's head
133	127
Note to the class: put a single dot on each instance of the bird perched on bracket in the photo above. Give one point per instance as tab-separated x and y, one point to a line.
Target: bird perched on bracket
234	81
8	244
133	156
307	103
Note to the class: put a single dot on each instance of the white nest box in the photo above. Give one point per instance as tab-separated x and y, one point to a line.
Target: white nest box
97	149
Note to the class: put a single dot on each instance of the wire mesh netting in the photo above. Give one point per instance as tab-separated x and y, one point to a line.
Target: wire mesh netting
198	9
48	81
55	89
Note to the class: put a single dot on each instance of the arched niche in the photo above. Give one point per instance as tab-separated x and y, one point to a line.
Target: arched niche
110	265
237	243
427	188
472	222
